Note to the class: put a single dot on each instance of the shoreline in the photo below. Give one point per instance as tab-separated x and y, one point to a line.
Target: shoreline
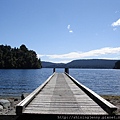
115	100
14	100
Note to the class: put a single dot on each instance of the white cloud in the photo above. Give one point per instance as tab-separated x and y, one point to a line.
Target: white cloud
70	31
98	53
69	28
62	61
117	23
39	56
64	56
91	53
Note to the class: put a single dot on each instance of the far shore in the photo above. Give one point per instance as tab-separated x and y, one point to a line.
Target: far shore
14	100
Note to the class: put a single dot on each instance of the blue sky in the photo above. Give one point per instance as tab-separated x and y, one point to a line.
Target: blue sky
62	30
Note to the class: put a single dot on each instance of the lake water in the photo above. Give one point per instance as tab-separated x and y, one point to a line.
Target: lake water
15	82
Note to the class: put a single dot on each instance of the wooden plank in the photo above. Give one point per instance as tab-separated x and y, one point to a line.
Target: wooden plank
62	93
21	106
107	106
62	96
55	112
63	109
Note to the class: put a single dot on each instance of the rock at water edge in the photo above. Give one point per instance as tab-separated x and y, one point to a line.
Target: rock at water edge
5	103
1	107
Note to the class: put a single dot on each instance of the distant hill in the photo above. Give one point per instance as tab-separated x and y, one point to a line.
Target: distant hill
47	64
83	63
52	65
92	63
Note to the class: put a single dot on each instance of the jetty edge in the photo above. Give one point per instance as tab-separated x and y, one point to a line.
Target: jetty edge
104	104
107	106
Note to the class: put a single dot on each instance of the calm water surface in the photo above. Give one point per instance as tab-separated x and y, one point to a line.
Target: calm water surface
15	82
102	81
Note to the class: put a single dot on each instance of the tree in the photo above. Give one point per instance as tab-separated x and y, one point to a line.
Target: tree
117	65
18	58
23	48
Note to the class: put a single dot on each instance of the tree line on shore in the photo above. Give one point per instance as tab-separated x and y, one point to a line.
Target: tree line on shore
117	65
18	58
22	58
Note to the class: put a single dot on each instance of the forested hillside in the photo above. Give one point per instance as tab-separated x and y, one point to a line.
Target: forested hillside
117	65
92	63
18	58
83	63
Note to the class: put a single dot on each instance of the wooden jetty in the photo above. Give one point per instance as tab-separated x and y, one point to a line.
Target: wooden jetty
61	94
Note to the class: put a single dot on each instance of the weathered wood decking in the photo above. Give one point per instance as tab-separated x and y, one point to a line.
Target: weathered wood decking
62	94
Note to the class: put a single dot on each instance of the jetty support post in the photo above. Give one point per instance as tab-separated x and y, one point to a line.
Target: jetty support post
53	70
67	70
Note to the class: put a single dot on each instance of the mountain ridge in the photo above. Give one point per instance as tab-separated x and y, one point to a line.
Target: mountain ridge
82	63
